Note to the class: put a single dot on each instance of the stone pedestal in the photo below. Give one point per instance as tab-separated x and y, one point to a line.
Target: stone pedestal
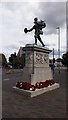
37	91
36	69
37	64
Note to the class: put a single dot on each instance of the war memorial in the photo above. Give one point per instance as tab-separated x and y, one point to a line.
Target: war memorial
37	75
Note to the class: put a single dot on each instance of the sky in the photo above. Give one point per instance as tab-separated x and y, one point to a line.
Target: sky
15	16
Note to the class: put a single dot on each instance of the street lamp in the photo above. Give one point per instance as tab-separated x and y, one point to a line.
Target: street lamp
53	60
58	28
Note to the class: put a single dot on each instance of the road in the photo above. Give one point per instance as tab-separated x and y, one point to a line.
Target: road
48	105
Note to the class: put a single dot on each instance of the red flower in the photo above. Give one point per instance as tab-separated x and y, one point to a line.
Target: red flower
38	85
27	86
32	88
20	85
41	84
52	82
17	84
46	84
24	85
49	82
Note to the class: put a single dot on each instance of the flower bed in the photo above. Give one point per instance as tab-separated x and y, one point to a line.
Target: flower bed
38	85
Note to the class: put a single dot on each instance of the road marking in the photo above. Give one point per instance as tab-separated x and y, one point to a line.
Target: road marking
6	79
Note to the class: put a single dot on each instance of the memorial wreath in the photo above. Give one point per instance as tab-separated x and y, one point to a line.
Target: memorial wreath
38	85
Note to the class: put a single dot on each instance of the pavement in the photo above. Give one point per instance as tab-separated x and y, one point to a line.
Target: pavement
0	93
48	105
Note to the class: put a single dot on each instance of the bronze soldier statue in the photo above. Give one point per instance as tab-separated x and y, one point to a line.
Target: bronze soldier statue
38	26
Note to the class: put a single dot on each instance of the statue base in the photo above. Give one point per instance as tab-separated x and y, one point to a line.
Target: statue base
36	69
37	64
37	91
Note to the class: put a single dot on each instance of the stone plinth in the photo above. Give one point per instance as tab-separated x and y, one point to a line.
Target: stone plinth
37	64
37	91
36	70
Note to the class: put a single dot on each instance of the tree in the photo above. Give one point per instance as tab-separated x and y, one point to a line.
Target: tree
22	60
13	60
65	59
16	61
3	60
59	60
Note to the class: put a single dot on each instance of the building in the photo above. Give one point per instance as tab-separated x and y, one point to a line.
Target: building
20	52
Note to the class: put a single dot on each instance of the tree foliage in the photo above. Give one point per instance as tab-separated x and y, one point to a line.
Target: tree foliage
65	59
3	61
59	60
16	61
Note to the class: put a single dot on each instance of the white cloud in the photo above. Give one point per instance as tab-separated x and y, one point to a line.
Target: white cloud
34	0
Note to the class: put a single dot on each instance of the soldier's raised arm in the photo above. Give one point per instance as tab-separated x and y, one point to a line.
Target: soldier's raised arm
31	29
